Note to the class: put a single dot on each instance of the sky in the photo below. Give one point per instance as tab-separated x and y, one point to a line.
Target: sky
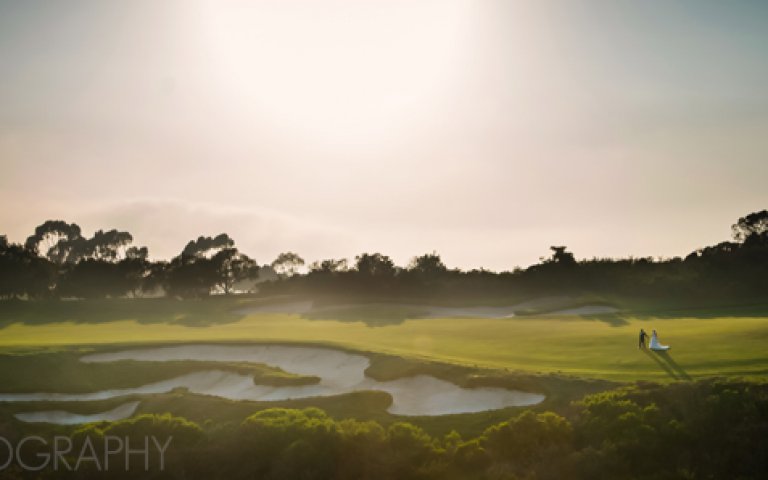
484	130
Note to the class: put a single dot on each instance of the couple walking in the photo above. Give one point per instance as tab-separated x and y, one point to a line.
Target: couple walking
655	345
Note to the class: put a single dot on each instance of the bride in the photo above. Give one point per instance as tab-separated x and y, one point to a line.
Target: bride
655	345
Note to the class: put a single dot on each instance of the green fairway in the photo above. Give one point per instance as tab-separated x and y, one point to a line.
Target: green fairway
595	347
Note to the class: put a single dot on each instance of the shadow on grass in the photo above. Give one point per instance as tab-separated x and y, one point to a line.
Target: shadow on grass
663	365
373	315
192	313
205	312
699	308
667	358
668	364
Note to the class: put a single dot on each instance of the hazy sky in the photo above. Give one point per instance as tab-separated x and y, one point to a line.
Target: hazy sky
486	130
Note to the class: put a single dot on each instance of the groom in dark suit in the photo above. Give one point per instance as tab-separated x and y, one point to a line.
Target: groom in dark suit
643	336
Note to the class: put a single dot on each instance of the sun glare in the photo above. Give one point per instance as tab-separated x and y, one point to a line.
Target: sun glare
343	71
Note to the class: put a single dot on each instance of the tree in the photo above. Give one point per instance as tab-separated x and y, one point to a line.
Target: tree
561	256
189	276
94	278
330	265
429	265
755	224
23	272
287	264
63	243
374	265
208	263
55	240
206	246
108	246
137	270
137	253
232	266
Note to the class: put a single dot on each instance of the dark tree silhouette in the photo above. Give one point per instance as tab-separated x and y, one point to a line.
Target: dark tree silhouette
92	278
108	246
49	264
287	263
23	273
206	264
55	240
62	242
204	245
231	267
561	256
754	224
429	265
329	266
374	265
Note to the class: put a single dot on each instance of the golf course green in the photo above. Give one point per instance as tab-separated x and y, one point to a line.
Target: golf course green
704	342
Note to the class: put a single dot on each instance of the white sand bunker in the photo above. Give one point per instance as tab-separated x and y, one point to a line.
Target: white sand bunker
66	418
339	372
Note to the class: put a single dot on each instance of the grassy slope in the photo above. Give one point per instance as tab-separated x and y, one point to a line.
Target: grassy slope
601	347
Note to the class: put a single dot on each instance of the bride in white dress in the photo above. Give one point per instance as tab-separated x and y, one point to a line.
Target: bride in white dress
655	345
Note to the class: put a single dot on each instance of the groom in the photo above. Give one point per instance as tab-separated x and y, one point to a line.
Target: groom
643	336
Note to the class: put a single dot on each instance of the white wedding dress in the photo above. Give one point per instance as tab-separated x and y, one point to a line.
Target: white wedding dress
655	345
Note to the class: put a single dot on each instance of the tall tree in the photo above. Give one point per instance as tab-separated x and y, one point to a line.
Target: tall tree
330	265
374	265
287	264
23	273
108	246
752	225
55	240
63	242
428	265
207	246
231	267
206	264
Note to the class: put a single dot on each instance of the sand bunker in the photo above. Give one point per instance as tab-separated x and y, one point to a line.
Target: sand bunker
427	395
290	308
432	311
470	312
339	372
429	311
66	418
586	310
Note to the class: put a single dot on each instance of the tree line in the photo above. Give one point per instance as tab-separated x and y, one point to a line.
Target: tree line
57	260
694	430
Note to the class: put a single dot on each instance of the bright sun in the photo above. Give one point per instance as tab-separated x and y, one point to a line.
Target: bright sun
341	71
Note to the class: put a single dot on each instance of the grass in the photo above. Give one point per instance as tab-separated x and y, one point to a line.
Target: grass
59	370
62	371
213	412
563	357
602	347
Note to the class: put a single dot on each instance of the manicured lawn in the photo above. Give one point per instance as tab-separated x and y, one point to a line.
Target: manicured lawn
598	347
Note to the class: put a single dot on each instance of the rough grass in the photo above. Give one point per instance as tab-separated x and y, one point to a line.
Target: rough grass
62	372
